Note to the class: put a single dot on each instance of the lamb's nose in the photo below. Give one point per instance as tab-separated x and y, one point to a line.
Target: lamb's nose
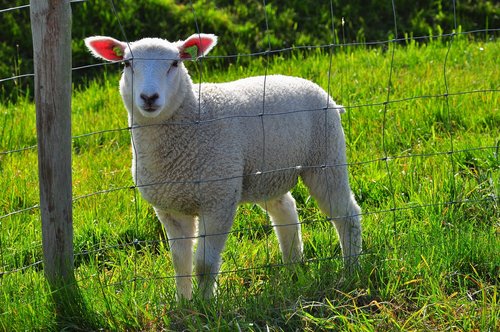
149	99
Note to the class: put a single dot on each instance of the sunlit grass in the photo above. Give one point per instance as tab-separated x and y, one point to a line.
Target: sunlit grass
424	167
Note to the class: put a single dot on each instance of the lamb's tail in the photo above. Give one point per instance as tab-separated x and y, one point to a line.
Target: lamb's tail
340	108
335	106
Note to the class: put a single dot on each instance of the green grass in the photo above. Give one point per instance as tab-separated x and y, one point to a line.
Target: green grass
431	218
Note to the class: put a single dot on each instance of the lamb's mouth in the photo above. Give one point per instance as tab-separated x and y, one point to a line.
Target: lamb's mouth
150	108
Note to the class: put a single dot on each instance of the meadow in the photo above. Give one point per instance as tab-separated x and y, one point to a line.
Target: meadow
423	134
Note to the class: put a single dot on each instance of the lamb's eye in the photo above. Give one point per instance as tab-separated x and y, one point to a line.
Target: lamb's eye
173	65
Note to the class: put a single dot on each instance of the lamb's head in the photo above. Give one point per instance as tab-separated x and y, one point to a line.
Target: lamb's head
154	81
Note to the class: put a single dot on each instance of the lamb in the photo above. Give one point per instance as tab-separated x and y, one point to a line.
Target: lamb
199	150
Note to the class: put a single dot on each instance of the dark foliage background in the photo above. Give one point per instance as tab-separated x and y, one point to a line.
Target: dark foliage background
241	25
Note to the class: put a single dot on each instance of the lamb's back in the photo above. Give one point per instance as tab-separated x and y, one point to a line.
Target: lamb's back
261	94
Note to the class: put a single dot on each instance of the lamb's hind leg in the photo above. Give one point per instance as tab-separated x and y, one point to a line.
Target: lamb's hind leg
181	231
330	187
286	225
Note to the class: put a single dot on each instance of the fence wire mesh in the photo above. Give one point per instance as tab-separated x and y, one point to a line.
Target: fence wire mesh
394	162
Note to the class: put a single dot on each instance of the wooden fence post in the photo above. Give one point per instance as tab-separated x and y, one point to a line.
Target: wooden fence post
51	31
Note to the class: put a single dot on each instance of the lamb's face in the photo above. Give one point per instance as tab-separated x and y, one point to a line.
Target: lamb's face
152	77
154	80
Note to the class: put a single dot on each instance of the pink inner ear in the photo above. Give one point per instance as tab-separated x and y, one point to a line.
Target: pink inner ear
106	49
202	43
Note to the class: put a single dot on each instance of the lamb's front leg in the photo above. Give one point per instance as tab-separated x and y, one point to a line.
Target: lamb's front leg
213	228
181	232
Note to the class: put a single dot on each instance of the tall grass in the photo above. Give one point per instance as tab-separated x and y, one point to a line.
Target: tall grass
424	167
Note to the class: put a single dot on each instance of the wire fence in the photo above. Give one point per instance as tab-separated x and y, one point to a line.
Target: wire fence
28	258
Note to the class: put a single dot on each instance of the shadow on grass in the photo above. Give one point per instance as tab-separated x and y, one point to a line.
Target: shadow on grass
279	299
70	309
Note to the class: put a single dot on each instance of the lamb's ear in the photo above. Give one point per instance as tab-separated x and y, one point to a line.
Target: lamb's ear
106	48
197	45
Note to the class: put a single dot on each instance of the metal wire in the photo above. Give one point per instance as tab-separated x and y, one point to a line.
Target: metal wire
385	159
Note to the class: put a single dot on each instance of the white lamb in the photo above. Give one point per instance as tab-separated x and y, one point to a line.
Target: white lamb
199	150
